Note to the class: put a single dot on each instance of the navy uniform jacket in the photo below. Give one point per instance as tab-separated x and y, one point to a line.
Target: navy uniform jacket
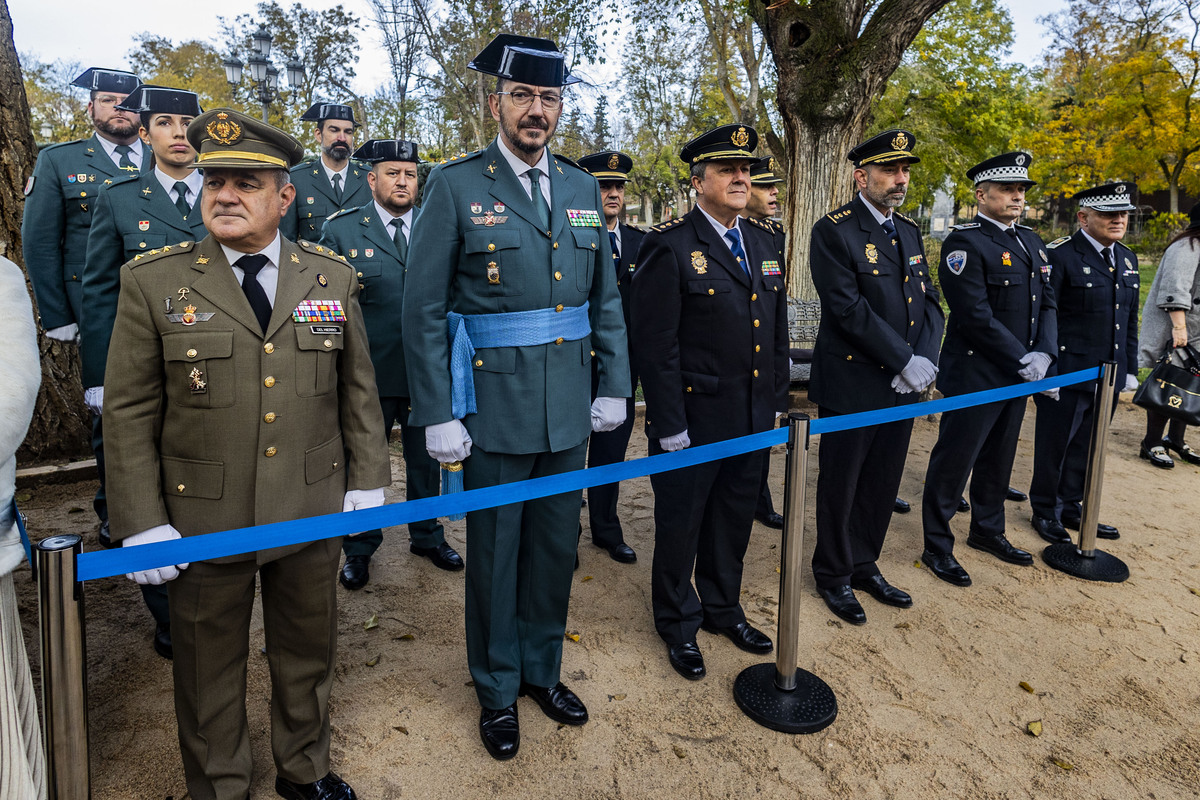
879	308
133	216
361	237
316	200
709	341
1097	309
631	240
59	204
1001	306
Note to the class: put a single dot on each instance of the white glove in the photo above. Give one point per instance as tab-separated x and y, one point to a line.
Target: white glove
676	442
356	499
64	333
1131	382
919	372
1036	363
901	386
1051	393
159	533
448	442
93	398
608	413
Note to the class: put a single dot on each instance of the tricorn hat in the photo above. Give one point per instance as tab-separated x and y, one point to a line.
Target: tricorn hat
101	79
524	59
318	112
161	100
376	150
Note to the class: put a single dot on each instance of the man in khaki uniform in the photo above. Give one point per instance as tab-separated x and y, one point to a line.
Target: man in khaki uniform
246	404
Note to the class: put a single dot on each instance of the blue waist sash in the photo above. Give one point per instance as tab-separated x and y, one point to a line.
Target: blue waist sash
511	329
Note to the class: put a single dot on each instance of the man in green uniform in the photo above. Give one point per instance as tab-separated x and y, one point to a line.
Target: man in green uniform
374	240
244	405
514	255
331	183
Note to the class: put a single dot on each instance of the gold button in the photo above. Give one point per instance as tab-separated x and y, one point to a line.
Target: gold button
141	244
559	340
83	194
756	373
479	362
910	323
754	296
558	307
849	358
689	388
593	352
270	452
191	353
906	279
491	247
910	299
329	342
593	245
556	245
180	488
269	382
711	291
268	348
874	272
756	323
757	348
269	417
557	276
360	274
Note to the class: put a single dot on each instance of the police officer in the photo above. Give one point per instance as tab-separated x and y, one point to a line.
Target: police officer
333	181
877	347
1002	330
514	251
1095	282
611	169
710	341
374	239
60	200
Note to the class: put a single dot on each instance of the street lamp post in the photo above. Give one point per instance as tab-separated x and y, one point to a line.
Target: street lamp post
264	76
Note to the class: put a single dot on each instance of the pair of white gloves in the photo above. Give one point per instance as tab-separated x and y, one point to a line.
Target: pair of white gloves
354	500
680	440
916	376
1131	385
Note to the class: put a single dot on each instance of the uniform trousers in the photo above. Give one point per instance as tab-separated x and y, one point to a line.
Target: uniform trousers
860	472
765	506
703	516
981	442
608	447
421	479
520	564
211	606
1062	436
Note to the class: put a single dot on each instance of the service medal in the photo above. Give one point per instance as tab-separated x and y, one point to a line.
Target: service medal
493	273
197	383
499	207
1006	259
699	262
476	208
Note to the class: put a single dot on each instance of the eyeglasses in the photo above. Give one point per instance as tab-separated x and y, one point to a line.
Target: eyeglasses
523	99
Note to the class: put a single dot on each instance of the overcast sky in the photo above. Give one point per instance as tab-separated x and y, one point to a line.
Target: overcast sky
101	34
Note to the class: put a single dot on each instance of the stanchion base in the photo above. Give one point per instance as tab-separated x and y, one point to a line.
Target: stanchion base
1101	567
808	708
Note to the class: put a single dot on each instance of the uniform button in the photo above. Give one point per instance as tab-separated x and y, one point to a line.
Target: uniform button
689	388
1089	286
712	291
268	348
329	343
270	452
756	373
141	244
479	362
757	348
269	417
491	247
1118	305
849	358
1006	283
191	353
906	279
559	340
180	488
1035	298
360	274
593	245
874	272
1062	348
910	299
754	296
756	323
1116	347
269	381
555	245
970	352
558	276
558	307
1118	327
910	323
593	352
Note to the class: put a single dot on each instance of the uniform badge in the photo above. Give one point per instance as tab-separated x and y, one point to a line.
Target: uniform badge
321	279
613	161
740	137
1128	264
583	217
1087	270
319	311
295	258
493	273
1046	272
183	293
354	252
29	186
91	178
872	253
771	268
499	207
476	208
70	179
310	200
143	224
1043	255
369	253
196	381
914	260
189	316
699	262
1006	258
224	130
956	261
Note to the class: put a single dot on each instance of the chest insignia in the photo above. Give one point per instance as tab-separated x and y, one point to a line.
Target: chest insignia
183	292
309	200
872	253
914	260
770	268
369	252
295	258
699	262
319	311
147	191
143	224
354	252
1043	255
499	207
489	220
1128	265
583	217
956	261
493	273
196	381
476	208
190	316
1006	258
321	279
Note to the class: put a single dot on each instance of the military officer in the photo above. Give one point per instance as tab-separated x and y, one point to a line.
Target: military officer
1002	330
611	170
514	233
710	342
1095	282
60	201
245	405
374	239
877	347
330	183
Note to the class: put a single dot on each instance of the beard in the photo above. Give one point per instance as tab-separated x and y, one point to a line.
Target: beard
512	131
886	199
338	152
117	127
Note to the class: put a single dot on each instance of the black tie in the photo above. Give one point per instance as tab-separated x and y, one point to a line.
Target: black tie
126	162
1108	259
181	190
337	186
400	240
1011	232
253	289
889	228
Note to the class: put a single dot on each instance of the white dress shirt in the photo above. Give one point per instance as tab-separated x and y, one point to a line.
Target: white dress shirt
268	276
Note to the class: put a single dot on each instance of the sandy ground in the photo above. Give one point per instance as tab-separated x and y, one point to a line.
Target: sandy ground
929	698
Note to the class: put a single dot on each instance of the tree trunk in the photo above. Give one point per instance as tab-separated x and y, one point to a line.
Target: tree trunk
60	427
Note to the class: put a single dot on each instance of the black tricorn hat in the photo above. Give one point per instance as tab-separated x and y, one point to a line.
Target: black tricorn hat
376	150
607	166
524	59
323	111
161	100
101	79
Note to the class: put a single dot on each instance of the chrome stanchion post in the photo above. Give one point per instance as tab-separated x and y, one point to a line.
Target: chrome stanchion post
64	677
1084	560
781	696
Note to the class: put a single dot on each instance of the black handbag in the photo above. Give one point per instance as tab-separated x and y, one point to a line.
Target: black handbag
1171	391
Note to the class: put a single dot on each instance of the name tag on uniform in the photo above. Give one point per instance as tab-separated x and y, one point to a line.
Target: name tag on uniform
326	329
319	311
583	217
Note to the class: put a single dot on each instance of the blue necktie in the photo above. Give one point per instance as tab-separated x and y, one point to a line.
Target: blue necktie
735	246
612	237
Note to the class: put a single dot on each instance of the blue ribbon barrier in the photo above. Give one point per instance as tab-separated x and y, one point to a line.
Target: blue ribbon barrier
107	563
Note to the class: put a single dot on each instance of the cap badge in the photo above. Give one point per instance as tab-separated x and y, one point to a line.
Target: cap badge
223	130
740	138
771	163
699	262
613	161
1121	189
1021	160
900	141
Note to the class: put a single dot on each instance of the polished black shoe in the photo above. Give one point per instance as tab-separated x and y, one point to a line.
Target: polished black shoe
902	506
1015	495
1102	531
331	787
1001	548
104	537
744	635
963	505
1157	456
772	520
1050	529
620	552
687	660
843	603
443	556
878	587
558	703
1183	449
162	641
946	567
355	572
500	731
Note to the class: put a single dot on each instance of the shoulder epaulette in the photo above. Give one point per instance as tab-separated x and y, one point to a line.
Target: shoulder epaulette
841	215
342	212
909	220
765	224
46	148
637	228
461	157
303	165
665	226
165	250
321	250
123	179
1060	241
965	226
565	160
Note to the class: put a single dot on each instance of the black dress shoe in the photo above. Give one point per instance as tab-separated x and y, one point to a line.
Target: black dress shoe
772	520
355	572
558	703
963	505
946	567
500	731
104	538
881	590
1157	456
331	787
1102	531
744	635
843	603
1001	548
443	556
687	660
902	506
1183	449
620	552
1015	495
162	641
1050	529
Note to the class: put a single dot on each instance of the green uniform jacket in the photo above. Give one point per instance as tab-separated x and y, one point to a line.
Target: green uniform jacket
530	399
133	216
234	427
59	205
359	236
316	201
